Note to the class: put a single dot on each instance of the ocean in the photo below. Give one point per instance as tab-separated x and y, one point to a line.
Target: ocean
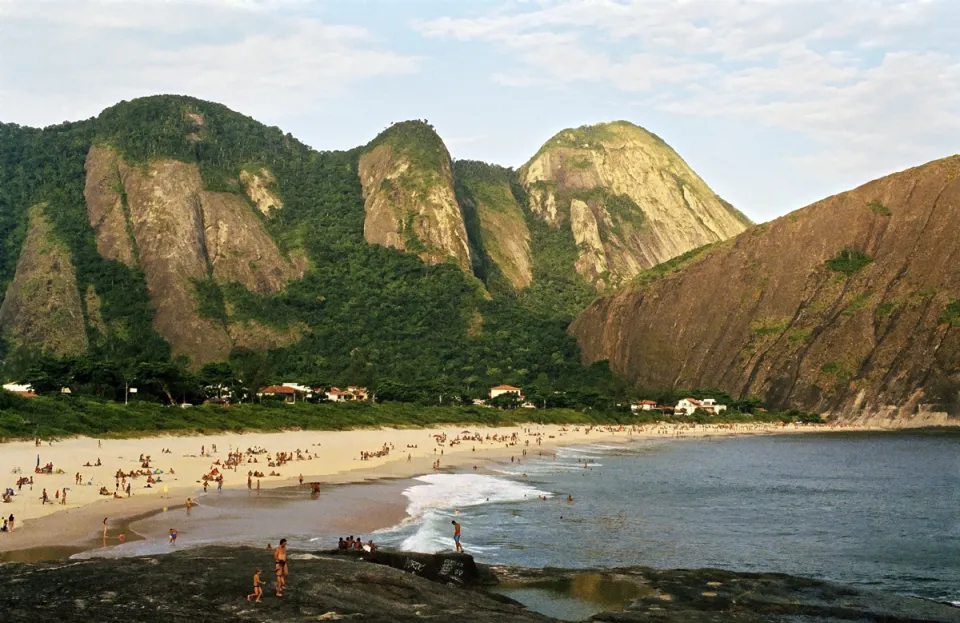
880	511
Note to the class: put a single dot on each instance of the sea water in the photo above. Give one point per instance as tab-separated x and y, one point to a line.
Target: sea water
873	510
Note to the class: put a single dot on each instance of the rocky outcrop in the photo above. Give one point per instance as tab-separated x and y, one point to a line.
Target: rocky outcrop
210	584
408	193
496	224
848	306
42	310
105	195
255	335
630	200
160	216
258	188
648	595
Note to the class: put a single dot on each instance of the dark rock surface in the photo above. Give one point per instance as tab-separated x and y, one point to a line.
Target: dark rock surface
715	595
210	584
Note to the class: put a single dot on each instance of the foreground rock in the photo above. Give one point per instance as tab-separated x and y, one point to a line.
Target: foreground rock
210	584
714	595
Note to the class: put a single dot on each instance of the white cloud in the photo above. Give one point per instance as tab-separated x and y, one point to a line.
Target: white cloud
68	59
874	84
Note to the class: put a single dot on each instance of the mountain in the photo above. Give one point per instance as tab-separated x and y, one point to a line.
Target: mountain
629	200
408	193
849	306
169	229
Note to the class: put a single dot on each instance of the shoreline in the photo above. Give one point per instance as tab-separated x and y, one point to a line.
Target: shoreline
78	526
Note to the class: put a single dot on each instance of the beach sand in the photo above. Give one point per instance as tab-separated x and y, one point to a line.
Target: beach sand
334	459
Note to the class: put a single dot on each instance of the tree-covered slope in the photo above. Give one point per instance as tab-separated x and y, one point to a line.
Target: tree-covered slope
171	205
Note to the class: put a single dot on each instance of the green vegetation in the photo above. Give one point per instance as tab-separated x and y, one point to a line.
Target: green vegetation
951	315
848	261
375	316
883	310
797	336
670	266
210	302
769	326
836	369
858	303
878	208
64	416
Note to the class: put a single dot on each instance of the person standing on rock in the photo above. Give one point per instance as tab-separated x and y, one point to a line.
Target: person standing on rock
280	558
456	536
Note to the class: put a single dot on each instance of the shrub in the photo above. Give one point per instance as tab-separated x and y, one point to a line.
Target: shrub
848	261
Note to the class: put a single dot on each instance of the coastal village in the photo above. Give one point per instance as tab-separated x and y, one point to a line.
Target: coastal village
503	396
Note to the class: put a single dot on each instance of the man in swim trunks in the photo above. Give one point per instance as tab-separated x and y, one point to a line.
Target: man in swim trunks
456	536
280	557
173	536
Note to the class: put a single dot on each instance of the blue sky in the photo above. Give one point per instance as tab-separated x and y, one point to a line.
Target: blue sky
774	104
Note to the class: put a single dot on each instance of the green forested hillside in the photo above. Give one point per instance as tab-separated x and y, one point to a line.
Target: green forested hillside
373	315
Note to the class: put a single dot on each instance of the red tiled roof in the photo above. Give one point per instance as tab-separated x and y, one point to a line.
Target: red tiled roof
648	402
278	389
507	387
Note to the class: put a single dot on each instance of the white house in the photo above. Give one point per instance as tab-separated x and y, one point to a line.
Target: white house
18	388
688	405
710	406
500	390
335	394
643	405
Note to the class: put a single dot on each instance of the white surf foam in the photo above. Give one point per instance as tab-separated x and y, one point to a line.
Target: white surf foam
433	504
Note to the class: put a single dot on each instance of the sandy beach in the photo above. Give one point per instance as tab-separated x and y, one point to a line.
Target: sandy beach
178	465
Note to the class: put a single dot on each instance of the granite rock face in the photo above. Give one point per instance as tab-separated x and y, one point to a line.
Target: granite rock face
409	199
629	199
848	306
161	218
42	308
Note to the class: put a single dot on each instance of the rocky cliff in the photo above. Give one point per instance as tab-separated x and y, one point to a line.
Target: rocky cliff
42	310
496	224
850	305
161	218
408	193
629	199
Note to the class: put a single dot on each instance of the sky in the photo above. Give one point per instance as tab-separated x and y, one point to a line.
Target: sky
776	104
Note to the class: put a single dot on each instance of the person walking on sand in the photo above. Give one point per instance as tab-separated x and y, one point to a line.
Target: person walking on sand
456	536
173	536
257	587
10	522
